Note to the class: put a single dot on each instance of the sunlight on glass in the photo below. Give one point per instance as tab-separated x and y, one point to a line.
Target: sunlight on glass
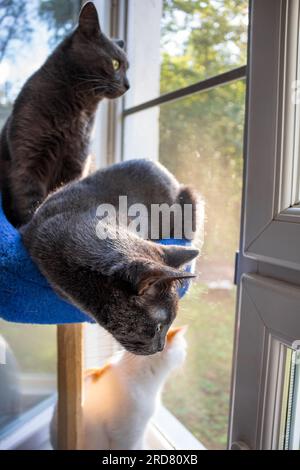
201	39
201	141
196	40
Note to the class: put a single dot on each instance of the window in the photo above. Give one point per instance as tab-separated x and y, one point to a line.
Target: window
182	43
294	402
28	357
199	152
186	109
265	412
27	369
265	386
290	421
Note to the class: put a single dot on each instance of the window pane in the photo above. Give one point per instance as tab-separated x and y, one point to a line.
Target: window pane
290	419
27	368
29	31
182	42
201	141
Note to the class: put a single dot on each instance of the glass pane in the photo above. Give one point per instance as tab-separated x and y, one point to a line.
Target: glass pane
290	419
182	42
27	368
29	31
201	141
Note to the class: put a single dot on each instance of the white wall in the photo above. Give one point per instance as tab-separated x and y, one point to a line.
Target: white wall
143	45
99	144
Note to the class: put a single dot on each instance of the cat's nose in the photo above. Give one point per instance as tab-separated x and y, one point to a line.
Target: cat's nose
126	84
161	345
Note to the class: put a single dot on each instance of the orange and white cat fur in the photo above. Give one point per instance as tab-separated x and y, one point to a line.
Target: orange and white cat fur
121	397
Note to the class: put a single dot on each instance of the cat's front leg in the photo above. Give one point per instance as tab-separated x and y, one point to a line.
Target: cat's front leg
27	194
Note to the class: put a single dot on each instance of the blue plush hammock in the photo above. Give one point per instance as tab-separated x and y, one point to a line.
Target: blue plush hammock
25	294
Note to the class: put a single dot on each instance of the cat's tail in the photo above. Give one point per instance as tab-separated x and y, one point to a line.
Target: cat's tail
192	208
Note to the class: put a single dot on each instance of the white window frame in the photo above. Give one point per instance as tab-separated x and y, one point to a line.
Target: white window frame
268	309
272	217
268	320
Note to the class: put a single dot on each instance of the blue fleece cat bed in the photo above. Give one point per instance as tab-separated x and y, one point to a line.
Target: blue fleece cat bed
190	268
25	294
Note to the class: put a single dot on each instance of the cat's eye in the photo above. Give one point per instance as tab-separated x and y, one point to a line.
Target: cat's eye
159	328
116	64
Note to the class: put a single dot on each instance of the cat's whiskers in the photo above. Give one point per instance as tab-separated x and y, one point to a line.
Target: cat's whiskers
99	80
130	358
127	357
103	350
88	81
91	76
99	351
89	86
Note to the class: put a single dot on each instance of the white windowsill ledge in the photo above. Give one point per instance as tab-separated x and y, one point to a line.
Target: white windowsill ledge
168	433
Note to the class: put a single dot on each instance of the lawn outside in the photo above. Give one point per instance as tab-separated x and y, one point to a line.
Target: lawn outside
198	395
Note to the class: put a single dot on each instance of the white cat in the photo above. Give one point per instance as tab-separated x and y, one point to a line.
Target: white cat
121	397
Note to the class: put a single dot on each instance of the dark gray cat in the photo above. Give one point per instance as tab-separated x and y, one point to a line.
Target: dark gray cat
45	141
128	284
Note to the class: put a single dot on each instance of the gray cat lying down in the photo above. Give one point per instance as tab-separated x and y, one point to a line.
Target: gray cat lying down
127	284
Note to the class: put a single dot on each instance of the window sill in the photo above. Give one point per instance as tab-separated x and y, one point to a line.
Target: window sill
31	431
167	432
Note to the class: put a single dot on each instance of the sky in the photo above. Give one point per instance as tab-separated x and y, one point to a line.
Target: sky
25	58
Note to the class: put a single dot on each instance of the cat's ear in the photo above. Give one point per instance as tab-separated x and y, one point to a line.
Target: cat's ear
146	278
144	275
177	256
176	331
120	43
89	20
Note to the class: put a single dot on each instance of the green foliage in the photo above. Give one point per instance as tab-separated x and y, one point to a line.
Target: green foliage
34	346
201	137
216	39
201	140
